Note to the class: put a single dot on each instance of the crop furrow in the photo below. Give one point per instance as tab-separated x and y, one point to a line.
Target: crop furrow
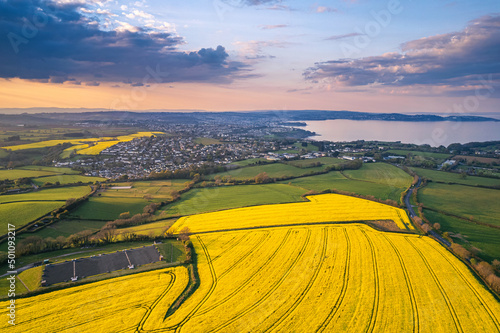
474	291
271	289
413	301
309	285
140	326
456	322
252	276
249	252
345	281
374	313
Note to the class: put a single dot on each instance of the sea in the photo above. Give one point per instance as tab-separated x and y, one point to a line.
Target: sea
434	134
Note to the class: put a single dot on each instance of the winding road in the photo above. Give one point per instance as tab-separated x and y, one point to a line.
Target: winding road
433	233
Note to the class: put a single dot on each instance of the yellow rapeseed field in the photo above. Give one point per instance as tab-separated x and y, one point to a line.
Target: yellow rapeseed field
101	143
120	304
287	278
320	208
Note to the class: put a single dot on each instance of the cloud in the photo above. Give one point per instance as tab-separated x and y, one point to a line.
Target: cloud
337	37
453	60
324	9
66	44
254	49
259	2
276	26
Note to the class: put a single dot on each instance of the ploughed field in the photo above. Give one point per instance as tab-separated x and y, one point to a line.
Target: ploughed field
288	275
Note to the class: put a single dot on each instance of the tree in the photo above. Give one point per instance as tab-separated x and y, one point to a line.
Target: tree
262	178
107	235
184	233
436	226
70	201
460	250
426	227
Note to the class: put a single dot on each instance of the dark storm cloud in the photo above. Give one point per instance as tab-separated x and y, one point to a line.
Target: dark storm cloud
41	40
455	59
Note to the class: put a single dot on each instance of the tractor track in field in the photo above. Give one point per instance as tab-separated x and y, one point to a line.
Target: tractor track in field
246	282
472	289
249	252
140	326
229	246
273	288
309	285
374	313
345	282
456	321
209	293
413	300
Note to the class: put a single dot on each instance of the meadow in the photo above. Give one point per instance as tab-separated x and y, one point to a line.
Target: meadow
49	194
436	156
330	278
365	185
273	170
450	177
469	202
305	163
118	198
21	213
108	208
381	173
66	179
201	200
20	209
469	235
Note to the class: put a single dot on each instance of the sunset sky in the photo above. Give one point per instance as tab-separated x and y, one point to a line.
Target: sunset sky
436	56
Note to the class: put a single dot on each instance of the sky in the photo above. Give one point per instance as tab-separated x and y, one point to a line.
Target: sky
426	56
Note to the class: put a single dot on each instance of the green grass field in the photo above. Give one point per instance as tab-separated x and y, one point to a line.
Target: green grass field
65	228
335	180
273	170
172	251
225	197
159	190
18	173
478	203
450	177
67	179
21	213
4	287
435	156
250	161
57	170
32	277
469	234
322	160
3	153
50	194
381	173
107	209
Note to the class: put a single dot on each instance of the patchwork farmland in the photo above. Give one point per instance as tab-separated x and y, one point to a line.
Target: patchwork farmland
286	275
